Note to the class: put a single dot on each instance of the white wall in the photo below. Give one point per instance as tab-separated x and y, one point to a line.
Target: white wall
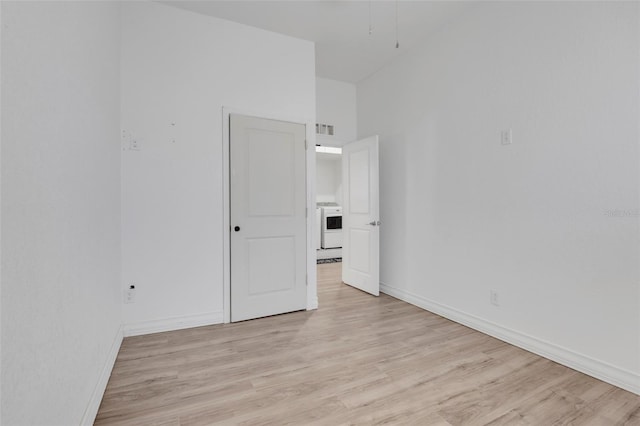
463	214
0	215
336	104
182	68
61	300
329	178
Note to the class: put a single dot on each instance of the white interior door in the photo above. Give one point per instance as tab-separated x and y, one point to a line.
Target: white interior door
267	217
361	215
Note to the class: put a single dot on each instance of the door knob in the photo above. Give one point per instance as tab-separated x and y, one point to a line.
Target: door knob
374	223
237	228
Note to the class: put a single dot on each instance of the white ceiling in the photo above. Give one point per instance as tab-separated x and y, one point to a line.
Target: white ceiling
344	49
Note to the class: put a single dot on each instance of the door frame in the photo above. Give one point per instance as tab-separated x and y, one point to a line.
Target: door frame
309	123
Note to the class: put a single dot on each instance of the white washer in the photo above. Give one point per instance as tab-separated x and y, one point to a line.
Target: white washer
331	227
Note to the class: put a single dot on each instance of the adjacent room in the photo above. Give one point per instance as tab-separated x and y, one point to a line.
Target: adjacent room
319	212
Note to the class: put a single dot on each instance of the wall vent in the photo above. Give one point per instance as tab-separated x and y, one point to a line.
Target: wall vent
324	129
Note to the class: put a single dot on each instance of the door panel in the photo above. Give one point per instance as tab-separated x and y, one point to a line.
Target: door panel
268	203
271	257
360	241
359	182
360	215
275	150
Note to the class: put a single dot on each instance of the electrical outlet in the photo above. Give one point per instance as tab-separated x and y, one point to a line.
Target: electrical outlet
493	297
134	145
130	294
506	137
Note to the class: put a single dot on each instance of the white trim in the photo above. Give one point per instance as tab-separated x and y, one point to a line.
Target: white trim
329	149
309	122
313	304
171	324
90	413
226	221
616	376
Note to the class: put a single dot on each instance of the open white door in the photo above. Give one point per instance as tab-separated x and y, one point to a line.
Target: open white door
267	217
361	215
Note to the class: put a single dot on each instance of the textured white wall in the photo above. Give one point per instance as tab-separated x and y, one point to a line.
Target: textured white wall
61	300
336	104
551	221
181	68
329	178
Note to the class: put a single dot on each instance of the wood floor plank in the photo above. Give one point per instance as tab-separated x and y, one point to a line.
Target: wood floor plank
357	360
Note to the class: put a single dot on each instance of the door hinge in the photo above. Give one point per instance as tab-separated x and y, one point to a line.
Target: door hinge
306	144
306	279
306	212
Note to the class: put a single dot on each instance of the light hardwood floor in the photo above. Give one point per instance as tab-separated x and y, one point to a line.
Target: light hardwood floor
356	360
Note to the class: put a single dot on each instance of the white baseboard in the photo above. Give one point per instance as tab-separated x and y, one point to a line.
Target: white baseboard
312	304
328	253
171	324
91	412
616	376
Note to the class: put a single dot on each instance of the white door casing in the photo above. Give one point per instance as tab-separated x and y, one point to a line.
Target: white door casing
267	217
361	215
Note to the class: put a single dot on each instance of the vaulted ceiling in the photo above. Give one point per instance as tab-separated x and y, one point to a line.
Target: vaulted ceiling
340	29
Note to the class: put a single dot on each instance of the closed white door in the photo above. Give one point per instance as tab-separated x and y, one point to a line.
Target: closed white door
361	215
268	223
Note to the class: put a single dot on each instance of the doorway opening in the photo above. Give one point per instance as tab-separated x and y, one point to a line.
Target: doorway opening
328	214
347	212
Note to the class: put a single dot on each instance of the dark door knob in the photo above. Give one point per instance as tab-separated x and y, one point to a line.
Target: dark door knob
237	228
